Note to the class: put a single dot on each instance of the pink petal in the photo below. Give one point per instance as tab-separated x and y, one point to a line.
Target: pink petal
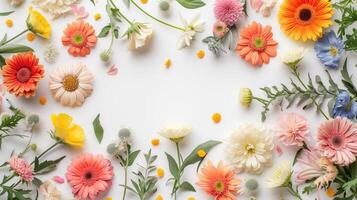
58	179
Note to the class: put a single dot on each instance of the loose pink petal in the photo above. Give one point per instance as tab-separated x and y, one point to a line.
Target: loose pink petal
112	71
79	12
58	179
278	150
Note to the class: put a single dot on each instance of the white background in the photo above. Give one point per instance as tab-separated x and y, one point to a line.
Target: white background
146	96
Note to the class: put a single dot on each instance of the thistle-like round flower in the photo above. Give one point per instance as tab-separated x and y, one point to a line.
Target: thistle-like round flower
281	175
250	147
228	11
22	168
175	133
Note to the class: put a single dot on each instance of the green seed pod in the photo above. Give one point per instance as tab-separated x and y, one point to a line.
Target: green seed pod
111	148
164	5
124	133
251	184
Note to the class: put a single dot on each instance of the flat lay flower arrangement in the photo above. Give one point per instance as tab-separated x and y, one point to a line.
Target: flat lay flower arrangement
302	144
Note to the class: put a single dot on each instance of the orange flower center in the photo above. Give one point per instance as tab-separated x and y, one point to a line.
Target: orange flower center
305	14
70	83
258	43
219	186
23	74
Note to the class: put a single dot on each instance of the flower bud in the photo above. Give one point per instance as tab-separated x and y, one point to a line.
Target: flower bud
111	148
33	119
164	5
251	185
33	147
245	97
105	56
124	133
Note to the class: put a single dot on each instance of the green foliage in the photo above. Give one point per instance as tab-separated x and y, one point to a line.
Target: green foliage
15	194
10	122
309	188
15	48
6	13
347	80
346	182
191	4
98	129
46	166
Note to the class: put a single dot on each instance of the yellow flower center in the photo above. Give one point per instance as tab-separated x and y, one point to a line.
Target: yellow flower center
333	51
219	186
250	148
70	83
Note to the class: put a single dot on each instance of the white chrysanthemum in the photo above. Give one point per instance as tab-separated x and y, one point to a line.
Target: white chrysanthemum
139	35
250	148
71	84
281	175
56	8
50	53
175	132
293	57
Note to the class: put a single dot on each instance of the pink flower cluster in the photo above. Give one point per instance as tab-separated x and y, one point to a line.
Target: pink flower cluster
228	11
22	168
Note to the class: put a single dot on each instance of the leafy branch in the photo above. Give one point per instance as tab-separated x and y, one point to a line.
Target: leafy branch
9	122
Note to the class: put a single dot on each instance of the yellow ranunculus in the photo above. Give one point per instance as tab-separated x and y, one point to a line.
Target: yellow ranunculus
70	133
38	24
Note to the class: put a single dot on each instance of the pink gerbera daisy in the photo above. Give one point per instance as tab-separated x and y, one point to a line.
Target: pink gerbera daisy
337	140
22	168
228	11
90	176
293	129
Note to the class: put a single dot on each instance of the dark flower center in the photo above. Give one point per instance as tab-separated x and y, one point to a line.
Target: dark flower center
337	141
23	74
88	175
305	14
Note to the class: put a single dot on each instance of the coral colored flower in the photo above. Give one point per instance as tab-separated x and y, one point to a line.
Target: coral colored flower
317	168
293	129
256	44
89	176
68	132
329	50
228	11
337	140
22	73
305	19
38	24
80	37
219	181
220	29
22	168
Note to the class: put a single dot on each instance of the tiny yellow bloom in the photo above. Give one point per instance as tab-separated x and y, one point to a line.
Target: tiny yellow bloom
159	197
38	24
160	172
42	100
108	198
155	142
216	118
200	54
330	192
245	97
30	36
201	153
68	132
191	198
144	1
167	63
9	23
97	16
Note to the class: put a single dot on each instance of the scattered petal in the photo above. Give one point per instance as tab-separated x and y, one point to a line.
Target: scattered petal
97	16
200	54
30	37
58	179
278	150
112	71
9	23
155	142
168	63
42	100
216	118
79	12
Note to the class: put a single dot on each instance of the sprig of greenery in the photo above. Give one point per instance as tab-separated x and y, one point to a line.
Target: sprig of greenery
10	122
346	182
144	186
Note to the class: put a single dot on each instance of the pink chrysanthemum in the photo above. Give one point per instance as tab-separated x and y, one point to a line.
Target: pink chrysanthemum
337	140
293	129
228	11
22	168
90	176
219	29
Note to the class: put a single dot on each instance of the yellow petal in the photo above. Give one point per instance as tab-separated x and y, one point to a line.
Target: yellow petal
75	136
61	120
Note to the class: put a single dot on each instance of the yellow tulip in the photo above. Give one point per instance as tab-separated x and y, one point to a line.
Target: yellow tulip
38	24
68	132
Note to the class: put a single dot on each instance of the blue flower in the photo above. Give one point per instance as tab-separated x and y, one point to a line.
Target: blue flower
329	50
344	107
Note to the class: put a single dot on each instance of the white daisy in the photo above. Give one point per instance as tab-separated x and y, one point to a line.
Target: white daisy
175	132
250	147
56	8
293	57
191	28
71	84
281	175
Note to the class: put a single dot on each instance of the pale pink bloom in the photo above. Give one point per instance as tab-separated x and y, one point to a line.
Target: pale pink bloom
22	168
89	176
49	191
79	12
267	6
293	129
220	29
256	4
228	11
58	179
313	166
337	140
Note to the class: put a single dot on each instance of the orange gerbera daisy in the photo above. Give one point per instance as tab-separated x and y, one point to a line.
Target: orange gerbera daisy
218	181
22	73
80	37
256	44
305	19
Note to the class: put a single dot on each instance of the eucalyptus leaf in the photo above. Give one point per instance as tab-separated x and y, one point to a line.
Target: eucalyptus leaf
191	4
105	31
98	129
6	13
3	40
132	157
186	186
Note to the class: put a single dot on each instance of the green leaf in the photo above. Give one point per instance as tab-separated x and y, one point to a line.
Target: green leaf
98	129
347	79
105	31
92	2
191	4
186	186
37	182
194	158
6	13
127	3
350	184
15	48
174	169
2	61
132	157
46	166
3	40
297	155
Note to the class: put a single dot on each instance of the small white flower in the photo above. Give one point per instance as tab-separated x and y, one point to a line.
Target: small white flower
191	28
56	8
281	175
49	191
50	53
175	132
139	35
293	57
250	147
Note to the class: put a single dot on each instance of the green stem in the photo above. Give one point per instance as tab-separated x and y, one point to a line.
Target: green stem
27	145
13	38
120	13
8	179
126	172
262	101
179	158
157	19
293	192
47	150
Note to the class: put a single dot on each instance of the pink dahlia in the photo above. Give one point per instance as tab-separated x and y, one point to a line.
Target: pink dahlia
337	140
228	11
22	168
89	176
293	129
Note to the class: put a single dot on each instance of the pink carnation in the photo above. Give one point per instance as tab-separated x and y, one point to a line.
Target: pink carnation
228	11
337	140
293	129
90	176
22	168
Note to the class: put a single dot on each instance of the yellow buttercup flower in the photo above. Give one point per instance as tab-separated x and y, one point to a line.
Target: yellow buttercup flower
70	133
38	24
